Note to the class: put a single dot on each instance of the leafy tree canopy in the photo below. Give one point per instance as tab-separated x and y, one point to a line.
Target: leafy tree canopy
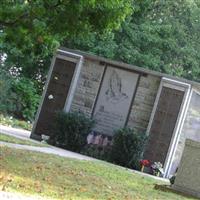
160	35
30	30
164	38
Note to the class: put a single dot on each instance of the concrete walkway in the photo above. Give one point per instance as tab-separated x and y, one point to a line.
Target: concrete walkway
23	134
49	150
20	133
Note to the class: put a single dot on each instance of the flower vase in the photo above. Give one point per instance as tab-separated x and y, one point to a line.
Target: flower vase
142	168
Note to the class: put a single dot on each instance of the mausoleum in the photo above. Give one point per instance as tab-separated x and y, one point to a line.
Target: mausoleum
116	95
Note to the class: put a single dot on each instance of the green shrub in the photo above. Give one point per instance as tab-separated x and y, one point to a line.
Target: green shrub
127	148
71	130
6	104
26	99
19	96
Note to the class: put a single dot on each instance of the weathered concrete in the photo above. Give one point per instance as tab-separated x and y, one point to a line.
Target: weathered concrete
87	87
89	84
142	106
21	133
191	129
188	175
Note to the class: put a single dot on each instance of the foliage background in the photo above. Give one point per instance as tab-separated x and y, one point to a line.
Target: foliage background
155	34
159	35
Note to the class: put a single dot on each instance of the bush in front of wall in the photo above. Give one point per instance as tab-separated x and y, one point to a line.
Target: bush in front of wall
71	130
127	148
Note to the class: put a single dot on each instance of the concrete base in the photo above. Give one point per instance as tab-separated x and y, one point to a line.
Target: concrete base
186	191
36	137
188	174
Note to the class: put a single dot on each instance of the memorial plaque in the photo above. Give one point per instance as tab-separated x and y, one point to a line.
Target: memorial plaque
163	125
114	100
55	96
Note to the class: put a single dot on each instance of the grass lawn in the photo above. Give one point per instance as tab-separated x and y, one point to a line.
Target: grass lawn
55	177
11	139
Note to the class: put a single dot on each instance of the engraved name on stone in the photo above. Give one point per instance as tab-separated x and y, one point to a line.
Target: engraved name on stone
114	100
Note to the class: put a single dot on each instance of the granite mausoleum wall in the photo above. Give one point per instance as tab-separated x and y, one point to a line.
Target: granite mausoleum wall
109	94
191	129
88	86
144	101
188	175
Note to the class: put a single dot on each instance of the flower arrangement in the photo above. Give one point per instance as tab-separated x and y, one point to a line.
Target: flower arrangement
157	168
144	163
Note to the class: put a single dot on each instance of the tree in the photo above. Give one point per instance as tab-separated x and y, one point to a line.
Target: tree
32	29
101	45
5	91
164	38
160	35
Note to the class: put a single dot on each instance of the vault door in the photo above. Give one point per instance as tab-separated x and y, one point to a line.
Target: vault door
163	124
56	95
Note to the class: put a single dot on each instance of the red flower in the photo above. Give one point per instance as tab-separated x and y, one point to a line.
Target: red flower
145	162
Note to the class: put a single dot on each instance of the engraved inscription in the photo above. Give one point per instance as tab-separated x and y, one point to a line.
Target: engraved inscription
114	100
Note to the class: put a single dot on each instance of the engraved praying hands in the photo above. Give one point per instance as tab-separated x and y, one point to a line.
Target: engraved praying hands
114	94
